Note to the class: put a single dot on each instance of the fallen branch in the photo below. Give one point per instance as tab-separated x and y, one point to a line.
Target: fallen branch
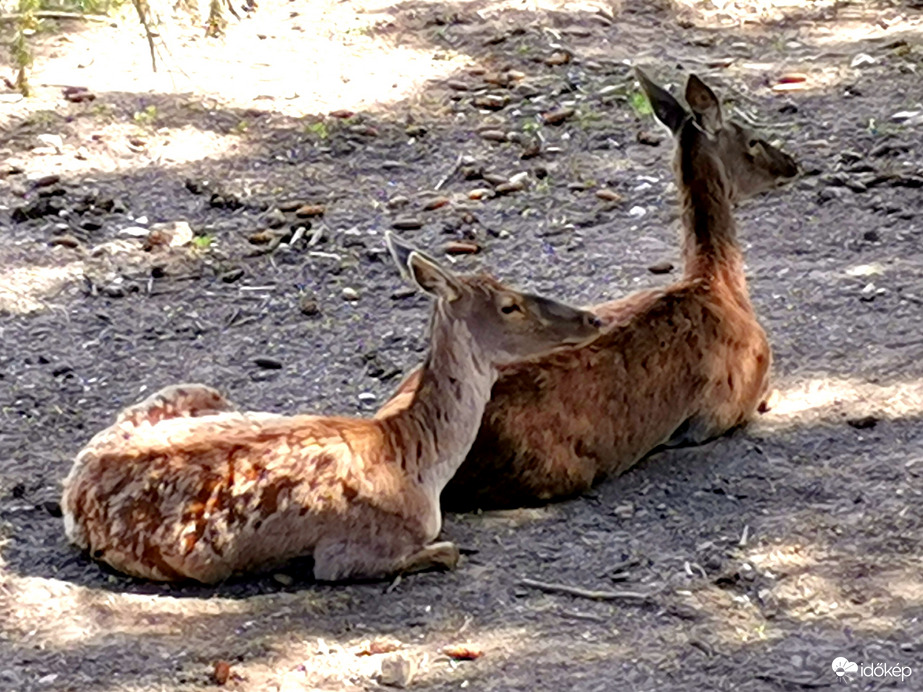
58	15
581	593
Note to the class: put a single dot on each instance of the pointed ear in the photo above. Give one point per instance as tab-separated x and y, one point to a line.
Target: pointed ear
666	108
704	104
432	278
400	252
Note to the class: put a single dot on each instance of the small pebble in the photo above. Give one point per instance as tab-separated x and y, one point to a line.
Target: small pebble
556	117
350	294
406	224
268	363
507	188
494	135
462	248
309	307
608	195
661	268
310	210
479	193
435	203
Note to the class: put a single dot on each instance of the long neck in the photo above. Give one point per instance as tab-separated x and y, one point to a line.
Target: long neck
434	433
710	247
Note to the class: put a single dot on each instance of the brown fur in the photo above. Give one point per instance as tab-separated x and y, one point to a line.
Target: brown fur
678	365
183	485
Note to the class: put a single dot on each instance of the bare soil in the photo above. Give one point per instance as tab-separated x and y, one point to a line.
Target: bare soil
760	557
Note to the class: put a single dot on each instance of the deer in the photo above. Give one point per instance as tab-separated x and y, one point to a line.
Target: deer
185	486
674	366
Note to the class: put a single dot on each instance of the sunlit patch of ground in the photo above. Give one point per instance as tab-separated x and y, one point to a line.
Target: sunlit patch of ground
28	289
834	398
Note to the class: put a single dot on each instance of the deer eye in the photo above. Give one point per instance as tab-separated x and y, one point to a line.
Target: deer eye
510	308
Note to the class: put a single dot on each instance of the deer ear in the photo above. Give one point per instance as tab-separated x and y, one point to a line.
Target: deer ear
666	108
433	278
400	252
704	104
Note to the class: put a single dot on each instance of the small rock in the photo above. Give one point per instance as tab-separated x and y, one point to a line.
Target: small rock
46	181
65	241
221	672
91	224
54	141
508	188
556	117
350	294
290	205
608	195
342	114
495	178
367	397
397	670
173	234
78	94
520	177
909	117
282	578
492	102
263	237
398	201
863	423
856	185
309	210
462	652
403	292
637	212
871	235
267	363
558	58
308	307
661	268
53	508
274	218
480	193
462	248
196	187
232	275
862	59
457	85
406	224
134	231
435	203
651	139
494	135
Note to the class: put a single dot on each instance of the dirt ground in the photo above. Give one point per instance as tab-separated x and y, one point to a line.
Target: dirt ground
759	558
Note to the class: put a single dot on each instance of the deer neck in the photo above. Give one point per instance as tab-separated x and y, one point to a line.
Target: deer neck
434	433
710	247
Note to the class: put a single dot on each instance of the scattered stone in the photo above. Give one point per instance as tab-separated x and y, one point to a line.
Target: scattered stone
134	231
494	135
520	177
651	139
462	248
457	85
661	268
283	579
406	224
863	423
908	117
637	212
435	203
221	672
263	237
862	59
492	102
556	117
508	188
10	169
342	114
381	645
274	218
309	210
480	193
856	185
495	178
50	140
397	671
46	181
53	508
291	205
232	275
350	294
367	397
403	292
65	241
308	306
196	187
558	58
267	363
607	195
398	201
91	224
172	234
76	94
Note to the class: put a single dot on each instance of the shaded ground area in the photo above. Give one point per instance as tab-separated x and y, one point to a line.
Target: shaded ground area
762	556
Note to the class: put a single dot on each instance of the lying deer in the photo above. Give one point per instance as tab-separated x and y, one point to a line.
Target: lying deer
185	486
676	365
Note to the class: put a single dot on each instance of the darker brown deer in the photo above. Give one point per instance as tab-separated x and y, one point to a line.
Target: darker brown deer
678	365
184	486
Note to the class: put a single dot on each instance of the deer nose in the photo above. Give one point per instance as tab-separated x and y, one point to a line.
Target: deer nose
594	321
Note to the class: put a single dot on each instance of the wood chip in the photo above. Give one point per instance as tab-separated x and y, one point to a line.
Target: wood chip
556	117
462	248
462	652
309	210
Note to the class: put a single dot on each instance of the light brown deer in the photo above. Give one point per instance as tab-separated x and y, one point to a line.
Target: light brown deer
185	486
676	365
